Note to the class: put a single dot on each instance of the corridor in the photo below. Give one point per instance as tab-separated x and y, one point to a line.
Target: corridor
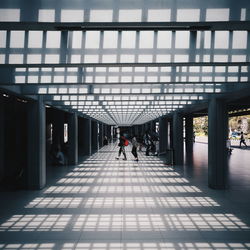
103	203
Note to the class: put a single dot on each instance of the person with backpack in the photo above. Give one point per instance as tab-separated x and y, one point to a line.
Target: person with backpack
122	143
134	148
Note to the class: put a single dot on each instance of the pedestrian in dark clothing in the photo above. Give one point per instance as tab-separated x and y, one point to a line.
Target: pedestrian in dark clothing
242	139
147	142
122	148
134	148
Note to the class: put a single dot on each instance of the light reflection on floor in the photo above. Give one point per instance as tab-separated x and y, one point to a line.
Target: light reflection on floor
107	204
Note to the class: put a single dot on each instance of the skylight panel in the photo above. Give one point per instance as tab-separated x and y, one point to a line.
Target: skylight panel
101	15
220	58
159	15
53	39
34	58
2	58
182	39
51	58
146	40
110	39
181	58
16	58
76	39
72	15
35	39
92	40
217	15
75	58
9	15
109	58
127	58
188	15
239	58
130	15
239	39
163	58
145	58
207	39
46	15
2	39
17	39
164	39
128	39
91	58
221	40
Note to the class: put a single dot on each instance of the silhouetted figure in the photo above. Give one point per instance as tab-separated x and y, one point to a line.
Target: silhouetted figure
147	142
59	157
242	139
134	148
105	140
121	144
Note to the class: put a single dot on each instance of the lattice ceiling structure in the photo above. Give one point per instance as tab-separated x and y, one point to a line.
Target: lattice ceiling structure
124	62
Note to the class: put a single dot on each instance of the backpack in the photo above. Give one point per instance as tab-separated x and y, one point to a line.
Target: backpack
126	142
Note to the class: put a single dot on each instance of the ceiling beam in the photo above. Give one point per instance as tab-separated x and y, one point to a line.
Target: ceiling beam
120	26
149	64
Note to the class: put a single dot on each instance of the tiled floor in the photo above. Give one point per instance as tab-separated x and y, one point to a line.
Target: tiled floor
111	204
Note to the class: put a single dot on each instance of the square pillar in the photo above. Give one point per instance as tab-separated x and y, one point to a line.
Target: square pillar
101	136
178	138
86	134
217	137
94	134
36	171
163	134
189	137
2	137
73	139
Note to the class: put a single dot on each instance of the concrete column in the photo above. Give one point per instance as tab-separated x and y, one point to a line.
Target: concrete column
163	134
86	132
94	134
2	135
178	138
189	138
171	143
101	136
36	170
217	136
73	138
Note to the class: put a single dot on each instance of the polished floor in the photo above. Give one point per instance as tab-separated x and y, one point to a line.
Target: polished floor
104	203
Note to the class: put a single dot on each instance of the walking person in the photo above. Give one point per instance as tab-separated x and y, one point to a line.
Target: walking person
134	148
121	144
242	139
147	141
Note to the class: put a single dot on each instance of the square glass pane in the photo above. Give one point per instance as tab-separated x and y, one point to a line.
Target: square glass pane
221	40
128	39
164	39
72	15
3	39
130	15
182	39
101	15
159	15
110	39
53	39
35	39
46	15
188	15
17	39
146	40
239	39
92	40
